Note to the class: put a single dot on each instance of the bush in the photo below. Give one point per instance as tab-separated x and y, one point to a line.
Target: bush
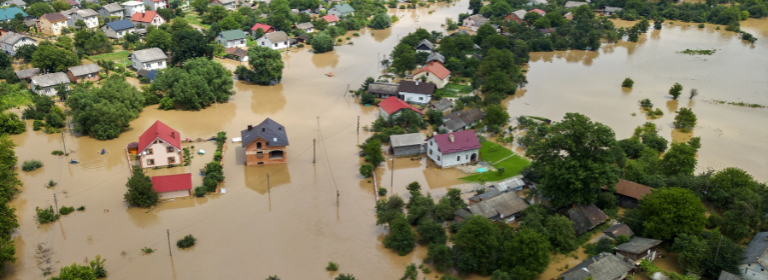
628	83
37	125
382	191
675	90
367	98
500	170
45	215
30	165
147	250
64	210
646	103
57	153
51	183
186	242
366	170
701	25
332	266
200	191
81	208
217	156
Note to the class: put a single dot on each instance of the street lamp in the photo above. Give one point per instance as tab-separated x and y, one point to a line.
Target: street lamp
392	179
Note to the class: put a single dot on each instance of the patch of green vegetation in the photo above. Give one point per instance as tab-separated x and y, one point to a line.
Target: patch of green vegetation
512	165
13	95
453	90
147	250
194	19
700	52
742	104
120	58
186	242
492	152
65	210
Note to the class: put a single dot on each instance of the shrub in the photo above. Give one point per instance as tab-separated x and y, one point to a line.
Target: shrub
51	183
200	191
646	103
37	125
356	34
30	165
628	83
500	170
64	210
97	265
217	156
147	250
186	242
366	170
81	208
675	90
57	153
332	266
45	215
701	25
382	191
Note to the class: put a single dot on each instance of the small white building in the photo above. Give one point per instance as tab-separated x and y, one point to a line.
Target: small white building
132	7
474	22
435	73
11	41
111	10
118	29
155	4
308	27
159	145
230	5
89	16
455	148
150	59
416	92
275	40
753	267
232	38
44	84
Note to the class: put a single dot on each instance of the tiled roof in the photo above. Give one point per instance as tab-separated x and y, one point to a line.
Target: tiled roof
162	131
122	24
84	69
436	69
145	17
586	217
264	27
631	189
305	25
638	245
538	11
392	104
269	130
455	142
330	18
50	79
54	17
417	87
169	183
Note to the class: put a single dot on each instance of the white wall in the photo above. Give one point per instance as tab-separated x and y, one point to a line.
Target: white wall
130	10
417	98
431	78
174	194
151	65
264	42
50	91
753	271
451	159
160	155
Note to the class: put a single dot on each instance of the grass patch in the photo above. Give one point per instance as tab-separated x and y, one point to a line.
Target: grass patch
493	152
31	164
699	52
193	18
453	90
741	104
12	95
120	58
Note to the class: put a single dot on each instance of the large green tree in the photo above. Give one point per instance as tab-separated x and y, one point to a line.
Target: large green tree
322	43
103	112
267	65
669	212
380	21
679	160
279	15
560	233
158	38
685	119
75	272
708	255
403	58
140	192
189	44
479	240
401	237
199	84
52	59
526	254
38	9
92	41
576	159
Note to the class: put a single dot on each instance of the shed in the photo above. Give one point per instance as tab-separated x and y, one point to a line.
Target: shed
462	120
511	184
436	57
383	90
639	248
27	73
173	186
630	193
488	194
237	53
586	217
604	266
612	10
442	105
424	46
618	229
504	207
87	72
410	144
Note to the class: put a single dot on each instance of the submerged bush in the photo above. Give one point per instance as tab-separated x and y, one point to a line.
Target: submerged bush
64	210
628	83
32	164
332	266
200	191
186	242
45	215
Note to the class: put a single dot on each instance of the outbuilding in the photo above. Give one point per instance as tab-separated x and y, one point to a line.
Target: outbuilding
462	120
26	74
614	231
410	144
425	46
586	217
604	266
639	248
504	207
383	90
443	105
85	72
173	186
45	84
630	193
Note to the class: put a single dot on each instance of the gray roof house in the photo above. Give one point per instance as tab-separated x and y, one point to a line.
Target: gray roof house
586	217
504	207
410	144
44	84
611	10
11	41
425	46
265	143
341	10
574	4
442	105
111	10
416	92
306	26
89	16
618	229
461	120
383	90
18	3
755	263
268	130
435	57
118	29
639	248
274	40
27	73
89	72
152	59
488	194
725	275
227	4
604	266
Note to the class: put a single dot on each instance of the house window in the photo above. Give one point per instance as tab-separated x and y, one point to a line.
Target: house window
150	162
150	152
275	45
421	98
438	157
262	43
458	158
171	160
169	149
430	152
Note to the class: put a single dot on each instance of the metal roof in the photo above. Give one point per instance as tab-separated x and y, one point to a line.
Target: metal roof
85	69
725	275
436	57
27	73
604	266
113	7
10	13
235	34
51	79
756	249
638	245
150	54
406	139
344	8
122	24
11	38
504	205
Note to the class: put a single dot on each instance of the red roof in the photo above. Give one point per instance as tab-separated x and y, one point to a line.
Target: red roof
72	3
538	11
392	104
464	140
264	27
162	131
169	183
147	17
436	69
330	18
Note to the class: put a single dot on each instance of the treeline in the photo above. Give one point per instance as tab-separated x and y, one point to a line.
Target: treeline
9	186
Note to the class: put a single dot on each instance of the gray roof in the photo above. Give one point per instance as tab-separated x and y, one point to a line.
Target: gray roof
425	43
520	13
30	21
19	3
12	37
488	194
85	69
114	7
442	104
150	54
572	4
382	88
27	73
457	120
725	275
503	205
638	245
409	139
454	124
87	13
305	25
604	266
269	130
756	249
612	9
51	79
277	36
463	213
585	217
436	56
618	229
226	1
510	184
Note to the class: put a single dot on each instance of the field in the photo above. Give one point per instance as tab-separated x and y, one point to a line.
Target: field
499	157
120	58
194	19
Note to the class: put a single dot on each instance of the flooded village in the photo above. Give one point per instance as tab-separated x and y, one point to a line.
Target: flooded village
453	197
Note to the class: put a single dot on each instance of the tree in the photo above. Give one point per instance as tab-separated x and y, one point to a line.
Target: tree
345	277
280	15
403	58
679	160
201	6
38	9
52	59
669	212
10	123
373	153
104	112
189	44
496	115
526	254
439	255
25	53
685	119
229	23
75	272
726	183
61	6
560	233
675	90
267	65
475	6
140	192
92	41
388	209
7	252
576	160
531	17
710	255
485	31
380	21
199	84
401	237
431	232
158	38
479	239
322	43
434	117
628	83
606	200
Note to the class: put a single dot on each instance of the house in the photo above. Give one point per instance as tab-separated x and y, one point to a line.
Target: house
725	275
611	10
383	90
331	19
435	72
11	41
474	22
263	27
173	186
604	266
614	231
516	16
295	12
69	14
435	57
540	12
7	14
302	38
537	2
89	16
462	120
73	3
132	7
87	72
505	207
26	74
159	145
416	92
755	263
574	4
237	53
639	248
51	24
30	21
147	18
230	5
630	193
546	31
308	27
154	5
442	105
586	217
265	143
275	40
118	29
146	73
232	38
488	194
152	59
19	3
568	15
341	10
512	184
111	10
44	84
392	106
454	148
424	46
410	144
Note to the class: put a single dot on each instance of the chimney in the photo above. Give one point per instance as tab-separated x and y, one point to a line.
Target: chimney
173	134
450	137
250	127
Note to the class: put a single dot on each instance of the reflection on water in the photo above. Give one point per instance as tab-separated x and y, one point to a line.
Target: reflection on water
256	177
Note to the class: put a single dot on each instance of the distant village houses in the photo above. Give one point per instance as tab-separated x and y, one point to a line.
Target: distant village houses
341	10
155	5
132	7
230	5
11	41
147	18
111	10
474	22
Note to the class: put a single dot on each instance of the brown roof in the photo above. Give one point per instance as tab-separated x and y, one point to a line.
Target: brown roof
631	189
618	229
54	17
236	52
417	87
586	217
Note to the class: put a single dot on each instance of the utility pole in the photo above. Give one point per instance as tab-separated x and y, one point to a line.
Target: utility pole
337	197
269	189
392	179
318	123
314	150
65	144
167	231
56	203
358	125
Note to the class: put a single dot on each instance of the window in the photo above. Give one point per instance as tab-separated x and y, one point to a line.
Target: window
150	152
421	98
438	157
262	43
458	158
275	45
171	160
169	149
150	162
430	152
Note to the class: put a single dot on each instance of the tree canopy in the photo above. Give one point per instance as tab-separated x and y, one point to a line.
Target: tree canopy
198	84
267	65
103	112
670	212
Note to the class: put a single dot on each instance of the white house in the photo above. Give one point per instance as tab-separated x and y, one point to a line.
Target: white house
228	4
455	148
147	18
111	10
474	22
89	16
435	73
232	38
151	59
44	84
275	40
118	29
341	10
132	7
416	92
155	4
159	145
308	27
753	267
12	41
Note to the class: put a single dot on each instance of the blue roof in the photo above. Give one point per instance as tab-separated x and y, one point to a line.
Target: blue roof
121	24
10	12
151	75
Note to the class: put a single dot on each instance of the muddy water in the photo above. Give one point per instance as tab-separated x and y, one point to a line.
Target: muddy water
590	83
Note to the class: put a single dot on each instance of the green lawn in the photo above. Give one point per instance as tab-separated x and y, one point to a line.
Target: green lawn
453	90
120	58
193	18
492	152
15	96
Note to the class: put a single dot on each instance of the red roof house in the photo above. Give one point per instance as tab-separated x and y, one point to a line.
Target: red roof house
330	18
456	148
173	186
148	18
538	11
73	3
435	72
264	27
392	106
160	145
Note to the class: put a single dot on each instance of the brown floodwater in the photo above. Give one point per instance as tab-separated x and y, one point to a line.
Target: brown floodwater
251	232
